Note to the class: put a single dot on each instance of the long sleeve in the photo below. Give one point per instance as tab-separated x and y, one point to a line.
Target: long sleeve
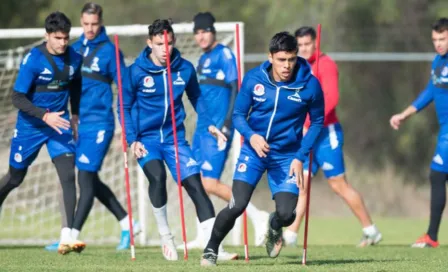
316	113
75	92
243	105
21	102
194	95
424	98
129	98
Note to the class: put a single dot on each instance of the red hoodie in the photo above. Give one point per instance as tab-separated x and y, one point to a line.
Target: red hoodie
328	78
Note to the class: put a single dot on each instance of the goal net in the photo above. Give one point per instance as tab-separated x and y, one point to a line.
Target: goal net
30	214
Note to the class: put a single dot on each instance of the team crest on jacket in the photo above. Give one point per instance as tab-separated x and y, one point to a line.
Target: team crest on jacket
445	71
148	82
207	62
259	89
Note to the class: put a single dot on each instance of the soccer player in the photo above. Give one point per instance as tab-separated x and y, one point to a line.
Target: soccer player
49	75
270	110
328	153
437	91
148	123
218	79
96	122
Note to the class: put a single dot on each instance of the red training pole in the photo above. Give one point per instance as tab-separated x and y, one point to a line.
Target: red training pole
176	147
123	142
310	168
238	65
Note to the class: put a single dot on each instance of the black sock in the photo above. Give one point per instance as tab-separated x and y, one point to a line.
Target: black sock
65	167
10	181
438	200
108	199
86	181
285	210
241	194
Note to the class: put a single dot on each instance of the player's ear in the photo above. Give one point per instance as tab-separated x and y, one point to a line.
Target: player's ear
270	57
47	36
149	42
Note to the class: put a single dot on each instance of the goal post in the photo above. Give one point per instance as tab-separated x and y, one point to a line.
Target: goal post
30	214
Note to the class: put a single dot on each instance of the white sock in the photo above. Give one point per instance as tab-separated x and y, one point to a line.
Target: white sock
65	235
370	230
124	223
290	237
252	212
161	220
207	227
199	231
74	233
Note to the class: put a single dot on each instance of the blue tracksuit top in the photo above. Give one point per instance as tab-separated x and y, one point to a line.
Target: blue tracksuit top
277	110
437	91
146	101
97	96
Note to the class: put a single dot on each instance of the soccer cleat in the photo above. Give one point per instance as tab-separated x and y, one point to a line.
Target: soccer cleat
209	258
226	256
169	248
370	240
274	240
125	240
77	246
425	241
64	249
52	247
261	228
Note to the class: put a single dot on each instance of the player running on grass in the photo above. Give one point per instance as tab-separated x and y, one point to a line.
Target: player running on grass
328	153
96	122
218	79
437	91
146	106
270	110
49	75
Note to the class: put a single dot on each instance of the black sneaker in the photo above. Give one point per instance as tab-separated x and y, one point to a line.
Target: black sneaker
274	239
209	257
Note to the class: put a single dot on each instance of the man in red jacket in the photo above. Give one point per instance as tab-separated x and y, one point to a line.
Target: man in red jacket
328	153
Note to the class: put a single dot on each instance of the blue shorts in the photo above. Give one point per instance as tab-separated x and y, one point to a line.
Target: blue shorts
92	147
440	160
327	152
209	155
166	152
26	144
250	168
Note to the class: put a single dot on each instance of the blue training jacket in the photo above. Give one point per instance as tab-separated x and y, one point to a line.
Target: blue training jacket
277	110
146	101
97	96
437	91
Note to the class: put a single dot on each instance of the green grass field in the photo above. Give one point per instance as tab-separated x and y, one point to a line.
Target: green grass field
331	248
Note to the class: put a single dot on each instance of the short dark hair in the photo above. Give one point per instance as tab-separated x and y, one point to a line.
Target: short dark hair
441	25
305	31
57	22
283	41
158	26
92	8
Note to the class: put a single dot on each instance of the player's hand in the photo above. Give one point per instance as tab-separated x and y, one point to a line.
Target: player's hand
217	134
296	170
395	120
138	149
74	124
260	145
55	121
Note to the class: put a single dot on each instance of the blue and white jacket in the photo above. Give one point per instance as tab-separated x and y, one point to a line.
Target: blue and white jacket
146	101
277	110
